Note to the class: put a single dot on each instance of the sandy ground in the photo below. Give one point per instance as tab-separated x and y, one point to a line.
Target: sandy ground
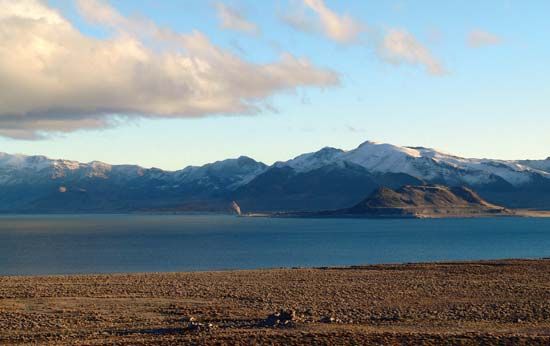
491	303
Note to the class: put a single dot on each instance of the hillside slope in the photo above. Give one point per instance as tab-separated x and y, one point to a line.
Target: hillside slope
422	201
431	200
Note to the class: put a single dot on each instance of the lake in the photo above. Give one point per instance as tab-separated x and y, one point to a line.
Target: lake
63	244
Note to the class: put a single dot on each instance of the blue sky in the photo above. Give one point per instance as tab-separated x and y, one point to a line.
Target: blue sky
491	100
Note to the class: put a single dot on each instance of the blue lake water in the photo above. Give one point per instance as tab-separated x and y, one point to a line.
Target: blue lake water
60	244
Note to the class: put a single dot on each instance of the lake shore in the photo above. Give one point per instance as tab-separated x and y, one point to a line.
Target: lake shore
495	302
412	215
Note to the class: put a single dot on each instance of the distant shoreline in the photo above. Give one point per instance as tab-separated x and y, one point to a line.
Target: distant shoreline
315	215
543	213
297	215
269	269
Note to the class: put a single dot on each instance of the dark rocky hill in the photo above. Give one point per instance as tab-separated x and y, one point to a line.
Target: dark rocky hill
416	202
427	200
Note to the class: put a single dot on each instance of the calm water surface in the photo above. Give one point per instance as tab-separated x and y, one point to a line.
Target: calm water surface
138	243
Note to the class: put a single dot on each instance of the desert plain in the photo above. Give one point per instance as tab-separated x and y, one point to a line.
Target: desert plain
504	302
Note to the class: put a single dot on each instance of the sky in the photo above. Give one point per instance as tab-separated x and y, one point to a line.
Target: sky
174	83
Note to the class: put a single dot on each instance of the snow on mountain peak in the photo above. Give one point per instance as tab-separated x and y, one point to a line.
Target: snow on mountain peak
311	161
423	163
380	149
98	169
19	161
236	171
371	155
541	165
53	168
420	162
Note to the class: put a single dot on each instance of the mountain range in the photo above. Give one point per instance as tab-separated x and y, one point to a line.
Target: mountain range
326	179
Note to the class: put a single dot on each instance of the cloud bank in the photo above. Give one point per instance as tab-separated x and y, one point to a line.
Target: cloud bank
53	78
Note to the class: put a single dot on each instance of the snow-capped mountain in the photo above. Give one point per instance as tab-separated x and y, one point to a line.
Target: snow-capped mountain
424	163
311	161
541	165
334	178
16	169
39	184
230	173
327	179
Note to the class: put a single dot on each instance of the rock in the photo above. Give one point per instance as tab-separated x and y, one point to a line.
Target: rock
193	325
282	318
330	319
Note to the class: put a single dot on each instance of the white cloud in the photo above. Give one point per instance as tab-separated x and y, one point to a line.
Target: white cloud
53	78
231	19
395	46
339	28
399	46
479	38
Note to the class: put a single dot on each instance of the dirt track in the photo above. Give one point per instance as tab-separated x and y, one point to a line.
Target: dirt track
497	302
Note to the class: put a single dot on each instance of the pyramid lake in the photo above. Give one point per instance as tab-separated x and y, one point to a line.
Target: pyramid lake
68	244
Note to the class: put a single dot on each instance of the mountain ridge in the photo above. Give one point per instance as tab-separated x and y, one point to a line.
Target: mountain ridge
323	156
325	179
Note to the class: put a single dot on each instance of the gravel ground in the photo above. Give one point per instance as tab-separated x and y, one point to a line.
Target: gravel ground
490	303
